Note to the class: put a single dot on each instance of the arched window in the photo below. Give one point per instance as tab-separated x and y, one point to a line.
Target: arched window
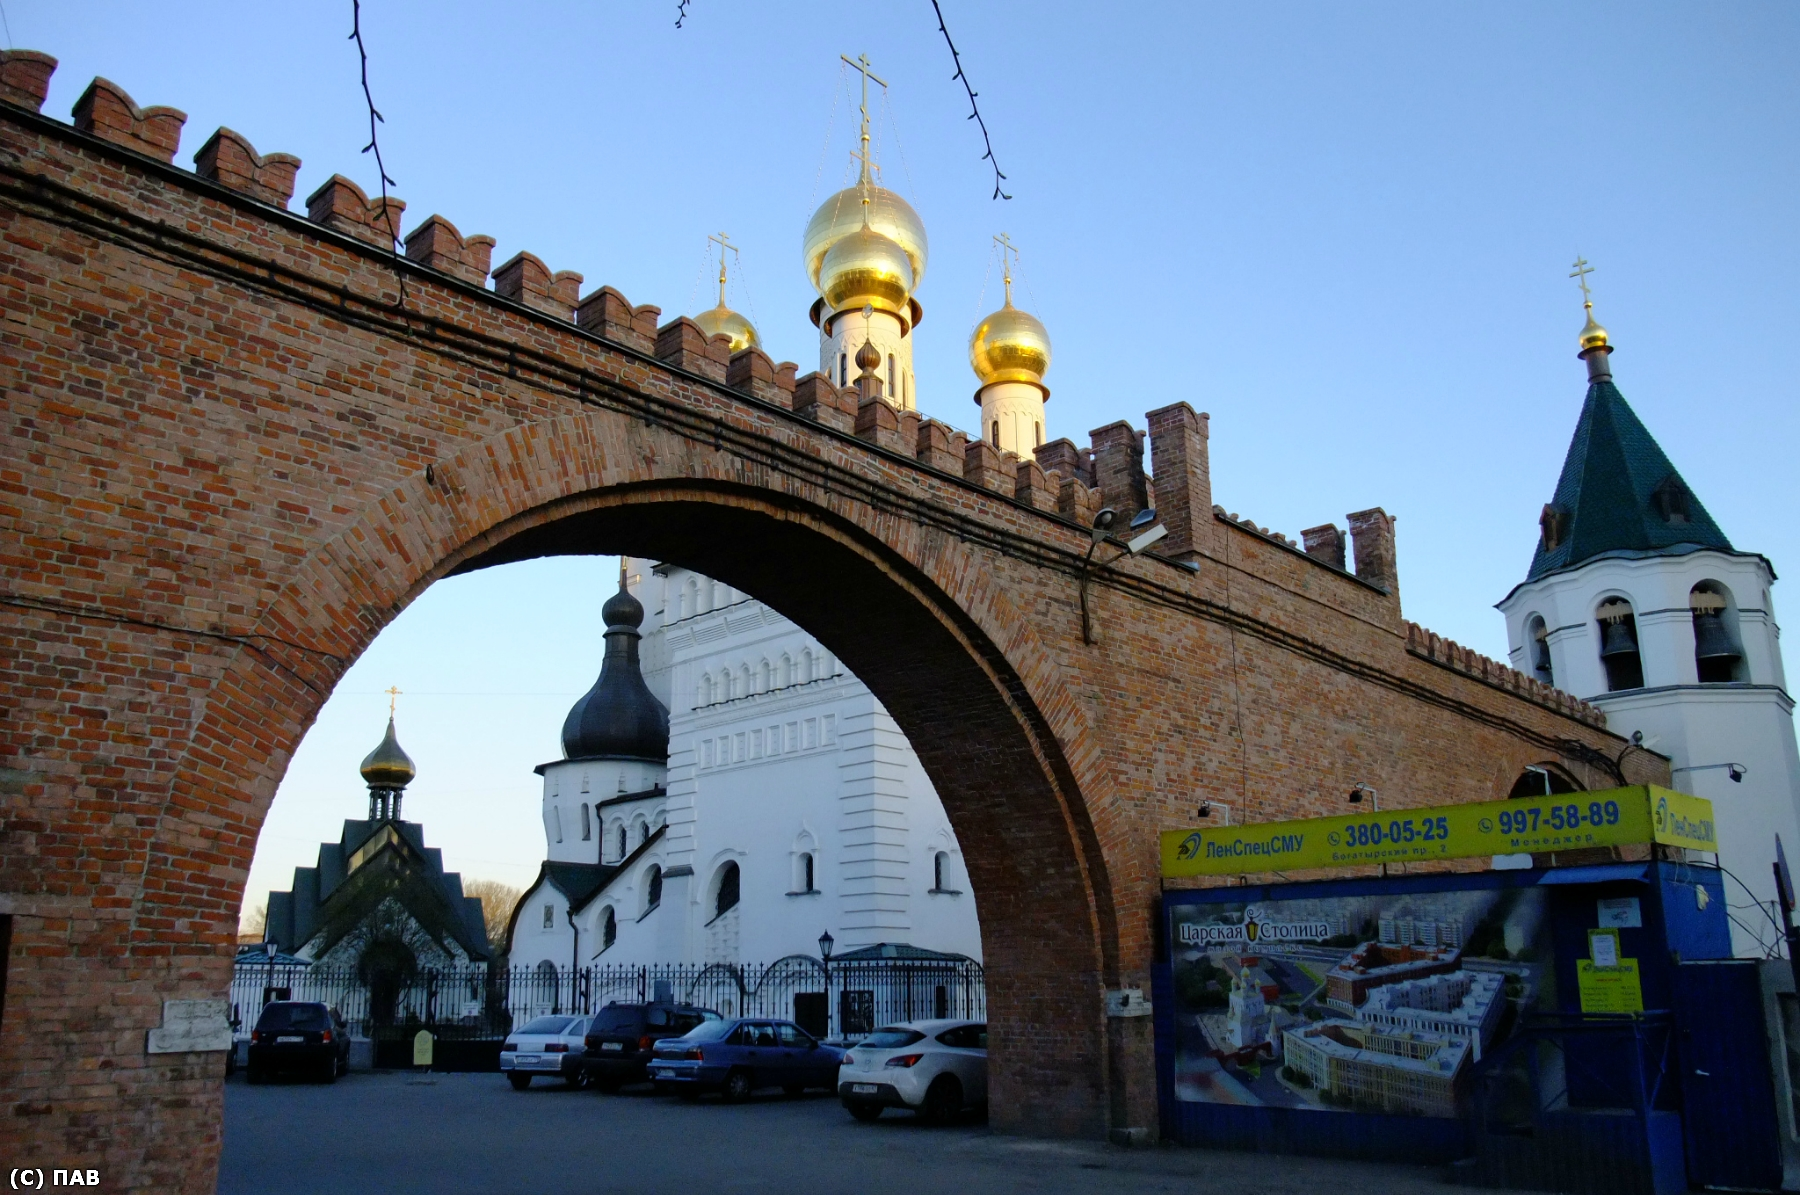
843	369
725	897
940	869
744	688
556	818
1619	646
609	928
587	830
893	390
1537	649
643	830
787	670
1718	656
807	883
995	438
806	665
623	848
768	677
653	888
1543	780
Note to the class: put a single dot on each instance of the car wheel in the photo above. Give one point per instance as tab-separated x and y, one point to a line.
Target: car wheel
737	1087
519	1081
943	1100
329	1072
580	1080
864	1112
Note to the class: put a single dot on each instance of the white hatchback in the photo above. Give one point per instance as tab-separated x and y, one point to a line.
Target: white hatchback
935	1068
545	1046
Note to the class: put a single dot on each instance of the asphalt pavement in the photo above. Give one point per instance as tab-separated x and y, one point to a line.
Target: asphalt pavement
473	1135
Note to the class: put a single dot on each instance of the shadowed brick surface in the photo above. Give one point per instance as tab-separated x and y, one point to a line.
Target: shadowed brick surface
229	460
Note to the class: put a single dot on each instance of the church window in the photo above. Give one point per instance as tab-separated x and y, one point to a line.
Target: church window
653	888
609	928
787	670
745	682
1671	500
623	848
806	665
995	438
892	389
812	733
843	369
1619	646
556	821
806	872
768	677
549	916
940	865
726	898
1537	648
828	729
587	831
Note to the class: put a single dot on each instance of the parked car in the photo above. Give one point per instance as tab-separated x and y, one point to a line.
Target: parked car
541	1048
298	1036
738	1057
622	1038
935	1068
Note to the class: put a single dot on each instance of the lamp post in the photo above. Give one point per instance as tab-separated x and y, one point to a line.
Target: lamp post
1206	808
826	941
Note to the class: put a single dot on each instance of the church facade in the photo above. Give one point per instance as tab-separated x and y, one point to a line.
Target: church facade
1637	602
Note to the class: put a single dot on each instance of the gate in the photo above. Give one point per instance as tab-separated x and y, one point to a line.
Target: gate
1728	1095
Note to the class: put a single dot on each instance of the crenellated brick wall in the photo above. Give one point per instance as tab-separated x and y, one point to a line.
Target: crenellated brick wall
230	458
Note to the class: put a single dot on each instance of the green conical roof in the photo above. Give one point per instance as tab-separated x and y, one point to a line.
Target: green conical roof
1618	494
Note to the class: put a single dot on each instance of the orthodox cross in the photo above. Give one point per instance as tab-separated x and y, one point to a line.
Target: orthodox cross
1582	270
861	63
723	242
1006	263
393	692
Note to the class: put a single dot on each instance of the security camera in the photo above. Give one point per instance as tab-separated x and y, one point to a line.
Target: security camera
1736	772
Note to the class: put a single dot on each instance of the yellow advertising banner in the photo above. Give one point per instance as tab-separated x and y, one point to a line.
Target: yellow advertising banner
1614	817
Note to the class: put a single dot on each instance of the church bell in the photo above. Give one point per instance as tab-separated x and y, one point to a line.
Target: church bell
1541	660
1711	640
1616	640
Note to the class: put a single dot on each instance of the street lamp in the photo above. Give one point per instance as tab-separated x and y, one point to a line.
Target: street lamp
1145	531
825	943
1362	790
1207	807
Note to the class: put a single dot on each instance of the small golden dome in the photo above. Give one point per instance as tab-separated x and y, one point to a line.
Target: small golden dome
841	216
388	766
867	269
723	321
1010	346
1593	336
868	357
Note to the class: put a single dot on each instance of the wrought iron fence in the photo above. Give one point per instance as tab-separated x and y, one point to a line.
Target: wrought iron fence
839	999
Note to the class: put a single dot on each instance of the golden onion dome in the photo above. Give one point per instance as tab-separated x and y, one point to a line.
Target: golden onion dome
388	766
867	269
841	216
723	321
1010	346
1593	336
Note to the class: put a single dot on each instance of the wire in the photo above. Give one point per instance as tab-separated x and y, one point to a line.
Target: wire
7	25
830	126
375	117
1764	909
974	111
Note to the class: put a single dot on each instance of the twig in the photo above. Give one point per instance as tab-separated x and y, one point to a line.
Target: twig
680	13
387	214
974	110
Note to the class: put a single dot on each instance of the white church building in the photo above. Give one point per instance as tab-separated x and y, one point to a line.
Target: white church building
1636	601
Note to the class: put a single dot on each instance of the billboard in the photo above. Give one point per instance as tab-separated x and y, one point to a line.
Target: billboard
1375	1002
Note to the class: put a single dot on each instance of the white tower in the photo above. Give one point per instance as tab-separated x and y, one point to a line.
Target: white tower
1010	353
865	252
1637	602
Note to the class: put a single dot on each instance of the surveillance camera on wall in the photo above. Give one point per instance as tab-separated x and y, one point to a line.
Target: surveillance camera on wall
1736	772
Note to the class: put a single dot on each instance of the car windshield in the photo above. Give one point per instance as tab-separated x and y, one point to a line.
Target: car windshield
277	1017
618	1018
548	1025
890	1038
708	1031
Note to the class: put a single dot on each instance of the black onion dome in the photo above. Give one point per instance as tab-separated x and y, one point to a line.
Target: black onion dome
619	717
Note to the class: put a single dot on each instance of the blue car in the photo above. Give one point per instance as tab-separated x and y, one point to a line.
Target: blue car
738	1057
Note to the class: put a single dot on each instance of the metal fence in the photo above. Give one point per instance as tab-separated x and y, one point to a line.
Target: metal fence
829	1000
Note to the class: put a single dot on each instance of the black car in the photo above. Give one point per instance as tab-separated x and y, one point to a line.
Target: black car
298	1036
622	1037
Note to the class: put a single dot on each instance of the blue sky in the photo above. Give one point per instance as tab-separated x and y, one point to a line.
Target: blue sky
1344	231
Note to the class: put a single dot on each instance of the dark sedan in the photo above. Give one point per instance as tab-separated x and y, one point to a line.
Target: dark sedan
298	1036
736	1058
622	1036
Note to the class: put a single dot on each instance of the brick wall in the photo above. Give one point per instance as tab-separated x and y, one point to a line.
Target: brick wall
229	461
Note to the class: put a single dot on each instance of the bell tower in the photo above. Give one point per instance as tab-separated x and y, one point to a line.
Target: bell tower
1637	602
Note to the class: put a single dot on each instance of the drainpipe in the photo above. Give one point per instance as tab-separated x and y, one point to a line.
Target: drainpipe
574	954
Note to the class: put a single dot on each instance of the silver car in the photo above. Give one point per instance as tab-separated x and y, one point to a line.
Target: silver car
935	1068
545	1046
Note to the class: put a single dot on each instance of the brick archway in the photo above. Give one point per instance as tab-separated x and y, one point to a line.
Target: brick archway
233	451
